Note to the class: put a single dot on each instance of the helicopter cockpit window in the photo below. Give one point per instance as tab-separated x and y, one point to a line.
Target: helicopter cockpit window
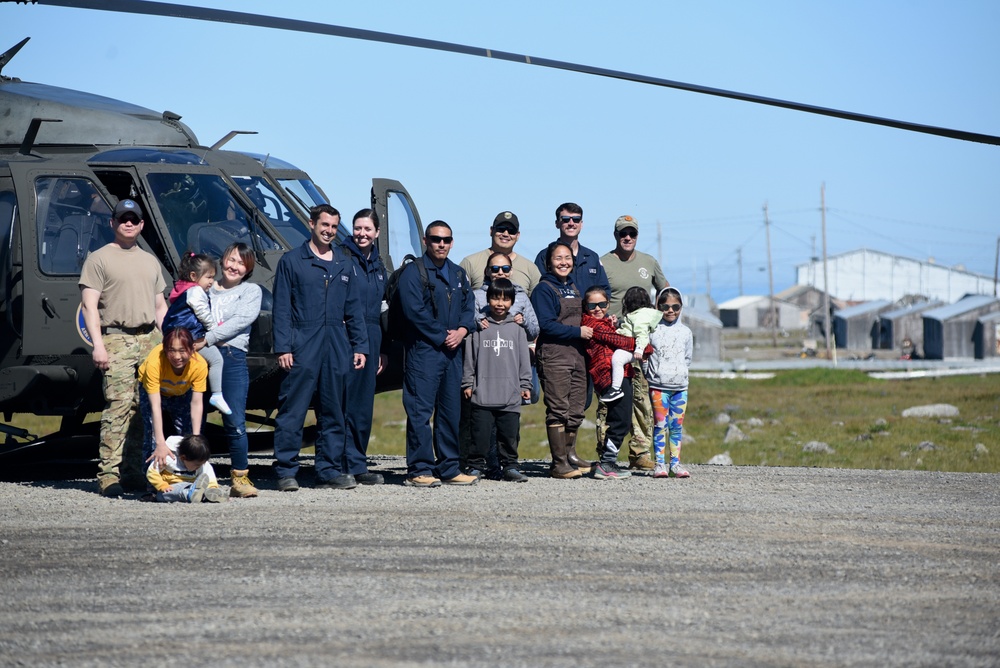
285	221
403	239
202	214
308	195
72	219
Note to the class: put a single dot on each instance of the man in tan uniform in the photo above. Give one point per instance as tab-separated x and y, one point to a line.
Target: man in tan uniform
122	290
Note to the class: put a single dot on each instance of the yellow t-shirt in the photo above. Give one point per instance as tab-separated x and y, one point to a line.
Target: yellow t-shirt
158	376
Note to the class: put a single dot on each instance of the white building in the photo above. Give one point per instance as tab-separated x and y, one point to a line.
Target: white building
866	275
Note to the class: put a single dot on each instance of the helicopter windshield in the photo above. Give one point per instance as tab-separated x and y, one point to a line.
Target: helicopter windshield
202	215
72	219
285	221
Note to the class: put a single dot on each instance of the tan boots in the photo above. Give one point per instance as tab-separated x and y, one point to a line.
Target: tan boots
240	486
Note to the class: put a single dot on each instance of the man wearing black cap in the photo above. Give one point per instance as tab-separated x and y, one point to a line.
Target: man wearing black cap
504	233
121	288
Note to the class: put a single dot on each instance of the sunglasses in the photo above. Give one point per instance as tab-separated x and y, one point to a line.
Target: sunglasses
130	220
435	239
592	305
671	307
629	232
505	229
566	219
497	268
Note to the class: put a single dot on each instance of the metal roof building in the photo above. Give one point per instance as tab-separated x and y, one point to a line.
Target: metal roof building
949	330
987	336
754	311
706	332
905	324
865	275
856	327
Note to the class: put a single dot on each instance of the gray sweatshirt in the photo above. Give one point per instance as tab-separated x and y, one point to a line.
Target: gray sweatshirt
667	367
234	311
497	365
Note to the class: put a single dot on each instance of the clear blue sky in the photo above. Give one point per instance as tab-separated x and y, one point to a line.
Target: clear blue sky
470	137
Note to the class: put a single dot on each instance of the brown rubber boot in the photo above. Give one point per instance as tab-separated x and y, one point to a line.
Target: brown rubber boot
240	486
560	468
581	465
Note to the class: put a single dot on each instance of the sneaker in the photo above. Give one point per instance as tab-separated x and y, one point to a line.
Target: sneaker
475	473
677	470
612	395
113	490
370	479
642	463
513	475
422	481
661	471
215	495
346	481
220	403
461	479
197	491
240	486
288	484
605	470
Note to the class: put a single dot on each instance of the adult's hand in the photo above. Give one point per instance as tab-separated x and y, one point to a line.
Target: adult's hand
285	361
383	363
359	361
586	333
199	344
455	338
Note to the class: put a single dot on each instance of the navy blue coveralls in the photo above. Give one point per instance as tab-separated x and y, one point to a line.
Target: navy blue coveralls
318	317
587	269
361	383
432	378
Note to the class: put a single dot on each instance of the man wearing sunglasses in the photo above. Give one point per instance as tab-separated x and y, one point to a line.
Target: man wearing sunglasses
438	318
626	268
504	233
587	269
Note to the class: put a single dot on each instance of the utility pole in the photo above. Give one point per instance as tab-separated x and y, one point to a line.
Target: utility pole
708	279
770	280
739	264
996	265
831	352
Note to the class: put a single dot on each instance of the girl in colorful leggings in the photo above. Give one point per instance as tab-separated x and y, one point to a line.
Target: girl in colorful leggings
667	373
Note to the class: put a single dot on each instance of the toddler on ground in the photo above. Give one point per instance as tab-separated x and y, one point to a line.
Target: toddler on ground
186	476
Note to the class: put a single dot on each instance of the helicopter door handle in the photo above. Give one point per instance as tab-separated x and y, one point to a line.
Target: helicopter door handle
49	309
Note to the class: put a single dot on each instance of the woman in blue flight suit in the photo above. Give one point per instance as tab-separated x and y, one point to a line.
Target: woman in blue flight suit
318	324
361	384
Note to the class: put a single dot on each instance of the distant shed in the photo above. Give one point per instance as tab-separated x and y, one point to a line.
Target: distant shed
905	324
856	327
754	312
706	330
987	336
949	331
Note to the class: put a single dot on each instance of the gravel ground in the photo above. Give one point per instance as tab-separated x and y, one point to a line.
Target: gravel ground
736	566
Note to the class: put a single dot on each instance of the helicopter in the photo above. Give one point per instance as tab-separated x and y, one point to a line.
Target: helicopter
66	158
189	191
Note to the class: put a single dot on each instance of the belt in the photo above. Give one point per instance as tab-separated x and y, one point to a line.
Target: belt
133	331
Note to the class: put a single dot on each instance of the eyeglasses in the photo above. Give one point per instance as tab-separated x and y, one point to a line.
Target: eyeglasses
629	232
504	229
592	305
497	268
435	239
566	219
671	307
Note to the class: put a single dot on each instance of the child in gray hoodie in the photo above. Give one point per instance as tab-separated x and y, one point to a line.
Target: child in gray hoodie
667	373
497	378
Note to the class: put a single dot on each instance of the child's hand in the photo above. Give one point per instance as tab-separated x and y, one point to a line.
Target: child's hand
164	491
525	395
614	320
519	318
467	392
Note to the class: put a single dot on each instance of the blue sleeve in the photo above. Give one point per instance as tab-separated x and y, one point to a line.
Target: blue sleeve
414	300
468	317
282	309
354	312
540	263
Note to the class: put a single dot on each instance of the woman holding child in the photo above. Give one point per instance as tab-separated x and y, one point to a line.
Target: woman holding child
561	364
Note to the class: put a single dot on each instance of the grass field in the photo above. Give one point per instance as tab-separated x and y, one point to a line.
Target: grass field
857	416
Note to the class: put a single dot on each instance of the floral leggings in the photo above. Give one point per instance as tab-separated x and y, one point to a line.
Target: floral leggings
668	414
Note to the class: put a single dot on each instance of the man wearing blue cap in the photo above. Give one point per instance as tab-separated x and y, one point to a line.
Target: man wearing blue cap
121	290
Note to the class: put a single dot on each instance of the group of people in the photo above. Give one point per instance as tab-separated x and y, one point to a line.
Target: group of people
479	339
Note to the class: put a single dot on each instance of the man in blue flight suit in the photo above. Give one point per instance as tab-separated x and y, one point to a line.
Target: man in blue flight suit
587	268
319	322
440	314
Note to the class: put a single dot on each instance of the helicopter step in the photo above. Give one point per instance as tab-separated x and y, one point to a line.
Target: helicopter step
44	384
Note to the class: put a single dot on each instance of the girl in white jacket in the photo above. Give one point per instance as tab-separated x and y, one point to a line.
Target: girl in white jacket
667	373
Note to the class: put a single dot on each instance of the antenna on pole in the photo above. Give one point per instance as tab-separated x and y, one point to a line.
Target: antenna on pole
831	351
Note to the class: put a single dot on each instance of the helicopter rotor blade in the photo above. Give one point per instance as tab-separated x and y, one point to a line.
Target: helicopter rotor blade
258	20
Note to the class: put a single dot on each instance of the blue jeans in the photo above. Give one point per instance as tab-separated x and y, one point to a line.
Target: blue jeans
235	385
175	411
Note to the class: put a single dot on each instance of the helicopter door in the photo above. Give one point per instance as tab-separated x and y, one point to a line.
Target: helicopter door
405	235
63	215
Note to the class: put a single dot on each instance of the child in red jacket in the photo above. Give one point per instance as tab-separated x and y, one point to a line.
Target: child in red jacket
600	349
